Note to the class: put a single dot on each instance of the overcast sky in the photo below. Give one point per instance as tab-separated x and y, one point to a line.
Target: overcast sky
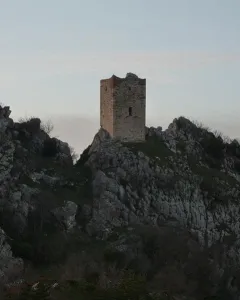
53	54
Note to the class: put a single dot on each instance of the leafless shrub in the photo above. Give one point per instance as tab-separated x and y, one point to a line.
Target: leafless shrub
200	125
79	266
47	126
217	133
25	119
226	139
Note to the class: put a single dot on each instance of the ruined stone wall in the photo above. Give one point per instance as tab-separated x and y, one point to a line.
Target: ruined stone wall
106	105
129	97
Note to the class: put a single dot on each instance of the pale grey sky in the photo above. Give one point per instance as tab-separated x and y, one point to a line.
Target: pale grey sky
53	54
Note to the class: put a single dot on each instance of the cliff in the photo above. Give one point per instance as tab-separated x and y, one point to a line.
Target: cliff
167	209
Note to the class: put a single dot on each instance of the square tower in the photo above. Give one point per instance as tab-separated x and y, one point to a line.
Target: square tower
123	107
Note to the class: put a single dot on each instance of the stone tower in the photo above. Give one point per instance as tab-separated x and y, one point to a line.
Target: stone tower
123	107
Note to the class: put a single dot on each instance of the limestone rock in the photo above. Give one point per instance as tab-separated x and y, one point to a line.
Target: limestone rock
188	184
182	177
67	214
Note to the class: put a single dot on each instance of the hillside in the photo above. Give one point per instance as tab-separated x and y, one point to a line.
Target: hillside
159	219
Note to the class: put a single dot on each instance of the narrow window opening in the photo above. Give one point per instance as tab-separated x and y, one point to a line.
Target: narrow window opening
130	111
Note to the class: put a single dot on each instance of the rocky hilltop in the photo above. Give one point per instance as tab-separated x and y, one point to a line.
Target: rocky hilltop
166	210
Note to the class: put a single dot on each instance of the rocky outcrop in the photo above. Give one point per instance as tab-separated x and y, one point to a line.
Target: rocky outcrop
184	177
67	214
24	151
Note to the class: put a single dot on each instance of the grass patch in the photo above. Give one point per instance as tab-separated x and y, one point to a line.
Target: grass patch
153	147
131	286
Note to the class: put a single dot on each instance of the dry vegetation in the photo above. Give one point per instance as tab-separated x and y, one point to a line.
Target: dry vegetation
163	262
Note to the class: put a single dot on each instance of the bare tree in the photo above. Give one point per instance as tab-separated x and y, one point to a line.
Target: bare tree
200	125
47	126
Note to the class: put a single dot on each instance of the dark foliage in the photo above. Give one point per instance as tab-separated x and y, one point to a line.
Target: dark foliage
233	149
237	166
213	146
50	148
32	125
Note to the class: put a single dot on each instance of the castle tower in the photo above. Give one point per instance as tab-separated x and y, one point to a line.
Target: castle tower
123	107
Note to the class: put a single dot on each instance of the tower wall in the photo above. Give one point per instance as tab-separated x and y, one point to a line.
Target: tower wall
123	107
129	109
106	105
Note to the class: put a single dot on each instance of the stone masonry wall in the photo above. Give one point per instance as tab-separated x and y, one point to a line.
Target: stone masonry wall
123	107
106	106
129	94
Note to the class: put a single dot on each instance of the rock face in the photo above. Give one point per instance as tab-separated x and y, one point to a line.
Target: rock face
24	149
67	214
184	177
